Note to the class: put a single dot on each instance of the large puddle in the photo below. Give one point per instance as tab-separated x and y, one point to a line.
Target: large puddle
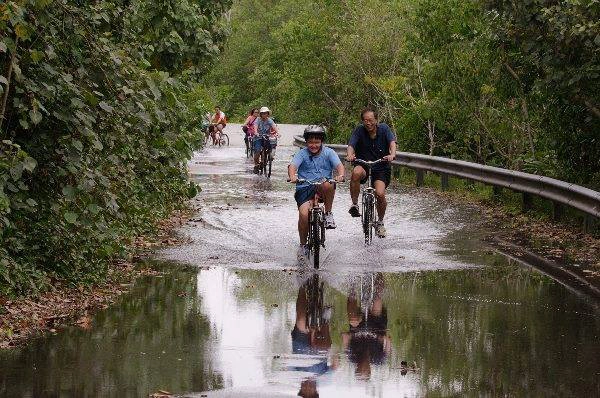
429	311
498	330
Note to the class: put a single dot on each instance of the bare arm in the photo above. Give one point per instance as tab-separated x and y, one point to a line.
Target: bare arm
392	150
340	172
292	171
350	154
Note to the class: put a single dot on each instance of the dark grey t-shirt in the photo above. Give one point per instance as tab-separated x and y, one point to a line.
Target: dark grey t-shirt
373	149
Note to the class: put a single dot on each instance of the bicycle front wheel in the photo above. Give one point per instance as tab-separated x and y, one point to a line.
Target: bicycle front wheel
263	162
367	218
270	165
316	239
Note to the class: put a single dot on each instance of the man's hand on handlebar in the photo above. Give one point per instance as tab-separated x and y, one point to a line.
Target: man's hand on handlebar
350	157
340	179
388	158
293	179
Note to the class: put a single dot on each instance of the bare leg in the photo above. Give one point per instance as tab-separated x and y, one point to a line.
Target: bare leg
381	200
357	174
303	221
327	191
301	308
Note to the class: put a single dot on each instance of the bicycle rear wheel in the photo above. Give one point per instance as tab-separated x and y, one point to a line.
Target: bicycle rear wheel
367	218
224	139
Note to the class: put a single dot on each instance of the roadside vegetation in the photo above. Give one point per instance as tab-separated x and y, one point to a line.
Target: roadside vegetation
503	83
99	111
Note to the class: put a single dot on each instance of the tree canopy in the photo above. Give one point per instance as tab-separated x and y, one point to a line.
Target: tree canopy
512	84
99	114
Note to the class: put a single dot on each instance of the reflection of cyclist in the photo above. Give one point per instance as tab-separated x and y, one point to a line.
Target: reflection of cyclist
312	163
314	340
310	339
266	133
217	123
371	140
367	341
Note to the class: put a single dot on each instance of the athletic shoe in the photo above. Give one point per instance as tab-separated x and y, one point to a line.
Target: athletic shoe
354	211
329	221
380	229
303	253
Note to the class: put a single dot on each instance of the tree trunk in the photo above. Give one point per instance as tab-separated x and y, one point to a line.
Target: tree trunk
8	78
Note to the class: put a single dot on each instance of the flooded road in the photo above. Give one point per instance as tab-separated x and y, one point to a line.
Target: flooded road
428	311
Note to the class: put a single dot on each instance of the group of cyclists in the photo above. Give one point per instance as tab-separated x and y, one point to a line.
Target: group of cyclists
259	131
370	141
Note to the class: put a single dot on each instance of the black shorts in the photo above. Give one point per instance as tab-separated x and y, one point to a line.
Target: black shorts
304	194
381	175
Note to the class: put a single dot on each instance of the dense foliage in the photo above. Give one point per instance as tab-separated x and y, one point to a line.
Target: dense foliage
98	115
513	84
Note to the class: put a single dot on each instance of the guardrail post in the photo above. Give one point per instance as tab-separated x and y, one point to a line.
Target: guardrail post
558	211
496	192
527	202
589	223
420	178
445	182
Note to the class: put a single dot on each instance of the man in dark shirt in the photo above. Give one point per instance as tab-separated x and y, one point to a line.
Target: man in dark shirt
370	141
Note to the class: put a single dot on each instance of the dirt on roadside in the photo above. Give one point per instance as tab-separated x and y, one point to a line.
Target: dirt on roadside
26	318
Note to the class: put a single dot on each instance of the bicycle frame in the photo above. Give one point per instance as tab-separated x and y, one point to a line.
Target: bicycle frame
316	222
368	200
265	155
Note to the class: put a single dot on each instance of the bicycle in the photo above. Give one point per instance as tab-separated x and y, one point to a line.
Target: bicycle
368	201
316	221
318	314
221	139
266	160
218	137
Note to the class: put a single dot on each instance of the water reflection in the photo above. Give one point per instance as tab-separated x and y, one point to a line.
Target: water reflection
367	341
229	331
311	335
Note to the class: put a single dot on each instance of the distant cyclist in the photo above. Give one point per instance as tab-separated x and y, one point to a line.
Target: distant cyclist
314	162
266	134
370	141
218	122
249	126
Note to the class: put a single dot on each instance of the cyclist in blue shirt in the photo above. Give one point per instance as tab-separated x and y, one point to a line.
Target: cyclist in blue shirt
312	163
266	134
371	141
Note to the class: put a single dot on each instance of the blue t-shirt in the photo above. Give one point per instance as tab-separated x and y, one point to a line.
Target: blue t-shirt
373	149
313	168
263	127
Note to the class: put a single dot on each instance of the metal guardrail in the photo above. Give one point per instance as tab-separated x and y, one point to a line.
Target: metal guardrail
559	192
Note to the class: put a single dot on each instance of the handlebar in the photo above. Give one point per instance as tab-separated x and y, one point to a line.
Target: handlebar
316	182
368	163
